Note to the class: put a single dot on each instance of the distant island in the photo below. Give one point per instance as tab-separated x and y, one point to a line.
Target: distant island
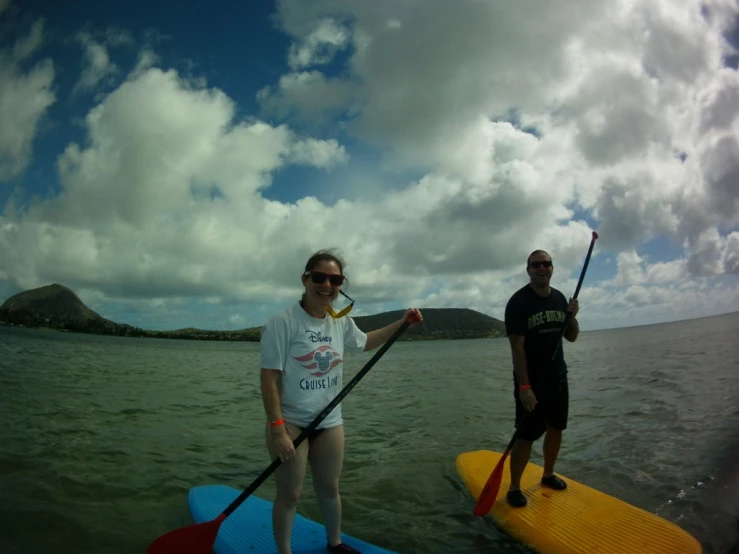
58	307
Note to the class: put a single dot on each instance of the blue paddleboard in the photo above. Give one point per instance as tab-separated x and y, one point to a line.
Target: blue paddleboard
249	528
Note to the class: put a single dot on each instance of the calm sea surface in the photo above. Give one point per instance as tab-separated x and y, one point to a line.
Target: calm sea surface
101	437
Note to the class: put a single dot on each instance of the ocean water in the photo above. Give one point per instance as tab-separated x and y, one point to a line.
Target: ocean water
101	437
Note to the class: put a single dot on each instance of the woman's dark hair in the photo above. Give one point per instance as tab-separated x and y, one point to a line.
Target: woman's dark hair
325	256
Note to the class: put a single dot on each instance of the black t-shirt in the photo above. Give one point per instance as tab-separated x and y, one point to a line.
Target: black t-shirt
540	320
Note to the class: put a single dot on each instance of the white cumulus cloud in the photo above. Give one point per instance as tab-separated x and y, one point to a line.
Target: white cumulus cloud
495	133
25	96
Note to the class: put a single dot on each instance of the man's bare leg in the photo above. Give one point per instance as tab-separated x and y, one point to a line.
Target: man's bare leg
520	454
552	442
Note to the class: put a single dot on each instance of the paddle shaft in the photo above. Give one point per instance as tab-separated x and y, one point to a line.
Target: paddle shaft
568	317
319	418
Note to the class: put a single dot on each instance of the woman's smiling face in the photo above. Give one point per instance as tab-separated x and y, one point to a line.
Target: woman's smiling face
323	293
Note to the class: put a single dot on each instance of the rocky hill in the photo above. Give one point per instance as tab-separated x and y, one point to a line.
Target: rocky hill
57	307
53	306
439	323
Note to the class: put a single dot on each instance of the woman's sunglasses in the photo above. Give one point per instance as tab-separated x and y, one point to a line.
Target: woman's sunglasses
537	265
319	277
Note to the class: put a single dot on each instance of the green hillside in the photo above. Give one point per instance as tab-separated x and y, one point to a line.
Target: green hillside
57	307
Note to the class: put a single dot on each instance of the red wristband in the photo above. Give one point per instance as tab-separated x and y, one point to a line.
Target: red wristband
277	423
525	387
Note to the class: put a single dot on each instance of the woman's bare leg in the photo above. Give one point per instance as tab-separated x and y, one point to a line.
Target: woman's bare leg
326	458
289	480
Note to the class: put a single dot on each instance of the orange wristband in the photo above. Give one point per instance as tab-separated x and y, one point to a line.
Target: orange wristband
277	423
525	387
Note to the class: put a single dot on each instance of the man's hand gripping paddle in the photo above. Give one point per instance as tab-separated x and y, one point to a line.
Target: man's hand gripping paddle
199	538
490	491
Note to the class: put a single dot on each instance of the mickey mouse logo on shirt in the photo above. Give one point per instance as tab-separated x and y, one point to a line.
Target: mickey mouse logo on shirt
324	359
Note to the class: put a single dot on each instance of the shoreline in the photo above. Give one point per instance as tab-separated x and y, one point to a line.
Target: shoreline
247	335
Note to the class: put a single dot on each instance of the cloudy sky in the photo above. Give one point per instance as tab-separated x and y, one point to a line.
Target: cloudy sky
176	164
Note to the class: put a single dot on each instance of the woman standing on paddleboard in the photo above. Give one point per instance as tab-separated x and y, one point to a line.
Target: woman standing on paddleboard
302	352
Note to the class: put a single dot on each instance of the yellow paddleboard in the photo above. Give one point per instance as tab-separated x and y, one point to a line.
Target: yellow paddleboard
576	520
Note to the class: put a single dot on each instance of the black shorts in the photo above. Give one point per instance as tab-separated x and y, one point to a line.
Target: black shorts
313	435
552	407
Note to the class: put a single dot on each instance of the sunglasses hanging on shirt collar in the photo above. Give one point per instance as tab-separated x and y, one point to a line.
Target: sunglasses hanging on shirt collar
338	315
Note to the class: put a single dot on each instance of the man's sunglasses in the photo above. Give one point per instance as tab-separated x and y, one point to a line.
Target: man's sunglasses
537	265
319	277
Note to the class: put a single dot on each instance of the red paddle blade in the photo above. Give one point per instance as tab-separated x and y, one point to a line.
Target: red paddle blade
193	539
490	491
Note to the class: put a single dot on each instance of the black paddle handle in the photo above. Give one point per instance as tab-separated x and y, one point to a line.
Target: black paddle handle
319	418
568	316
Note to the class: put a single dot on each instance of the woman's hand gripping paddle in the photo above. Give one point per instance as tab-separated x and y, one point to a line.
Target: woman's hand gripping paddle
490	491
199	538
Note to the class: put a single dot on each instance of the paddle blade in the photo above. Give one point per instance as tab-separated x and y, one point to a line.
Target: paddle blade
490	491
193	539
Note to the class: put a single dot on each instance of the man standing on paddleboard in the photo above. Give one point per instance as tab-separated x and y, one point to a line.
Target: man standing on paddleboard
534	317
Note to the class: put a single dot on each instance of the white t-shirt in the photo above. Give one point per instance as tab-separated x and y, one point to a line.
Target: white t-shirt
310	354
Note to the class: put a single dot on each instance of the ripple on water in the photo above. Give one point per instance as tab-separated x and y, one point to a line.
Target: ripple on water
102	438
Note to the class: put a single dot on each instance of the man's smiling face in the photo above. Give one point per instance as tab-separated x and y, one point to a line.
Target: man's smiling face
540	269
